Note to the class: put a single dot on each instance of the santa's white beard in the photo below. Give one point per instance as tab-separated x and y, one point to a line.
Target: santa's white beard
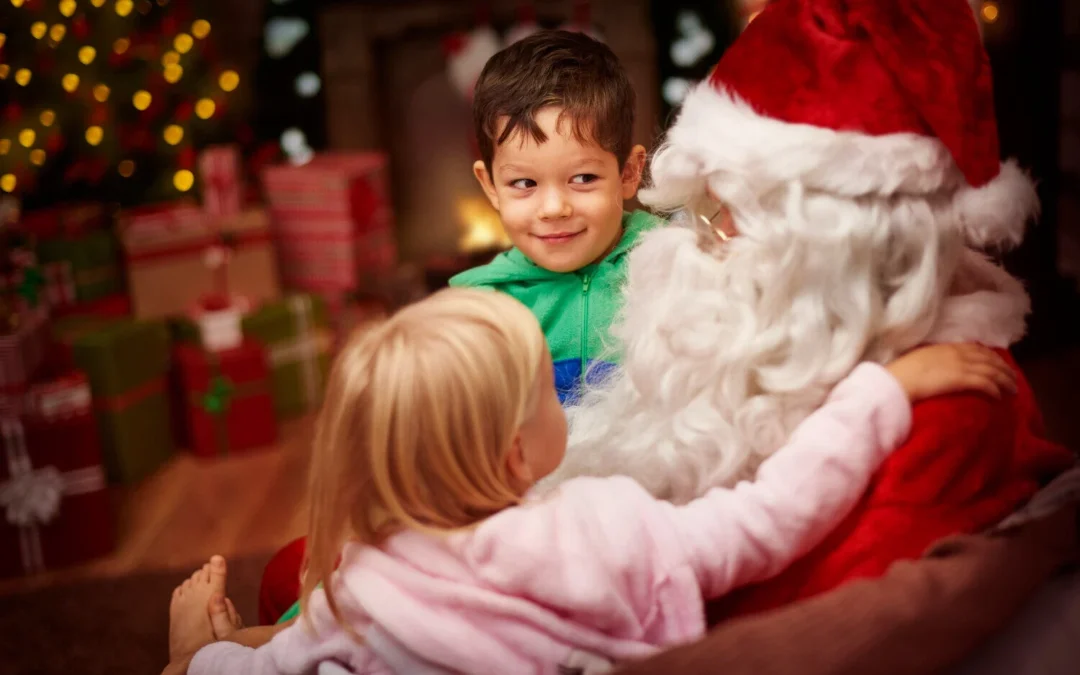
723	356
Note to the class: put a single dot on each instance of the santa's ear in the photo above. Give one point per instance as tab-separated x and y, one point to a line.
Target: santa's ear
483	176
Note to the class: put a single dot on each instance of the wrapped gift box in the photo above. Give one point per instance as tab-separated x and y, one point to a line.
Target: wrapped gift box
116	306
57	292
56	507
298	344
23	351
127	363
93	261
165	248
64	221
332	221
227	398
222	183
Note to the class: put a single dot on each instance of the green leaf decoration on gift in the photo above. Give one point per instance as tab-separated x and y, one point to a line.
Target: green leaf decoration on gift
31	284
216	399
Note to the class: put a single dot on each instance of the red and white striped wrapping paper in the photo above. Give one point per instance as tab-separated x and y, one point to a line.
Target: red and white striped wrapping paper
222	184
332	221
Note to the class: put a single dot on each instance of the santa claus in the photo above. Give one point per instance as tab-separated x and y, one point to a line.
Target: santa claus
837	179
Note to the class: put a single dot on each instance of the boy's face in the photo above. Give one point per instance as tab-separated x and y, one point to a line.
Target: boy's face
561	201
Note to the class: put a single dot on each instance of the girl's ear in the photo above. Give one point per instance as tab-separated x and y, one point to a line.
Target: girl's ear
516	466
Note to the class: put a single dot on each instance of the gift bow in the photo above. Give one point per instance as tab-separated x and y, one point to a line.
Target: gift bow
32	498
216	399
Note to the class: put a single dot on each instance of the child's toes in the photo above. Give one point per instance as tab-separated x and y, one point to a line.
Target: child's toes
216	575
219	617
234	616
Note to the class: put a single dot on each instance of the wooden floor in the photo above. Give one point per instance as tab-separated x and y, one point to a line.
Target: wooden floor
192	508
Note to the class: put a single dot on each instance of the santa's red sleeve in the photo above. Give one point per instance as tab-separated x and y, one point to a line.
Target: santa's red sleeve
970	461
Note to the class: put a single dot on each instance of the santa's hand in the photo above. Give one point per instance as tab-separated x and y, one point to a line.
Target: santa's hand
948	368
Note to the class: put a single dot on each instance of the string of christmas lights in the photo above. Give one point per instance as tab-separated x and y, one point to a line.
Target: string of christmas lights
107	99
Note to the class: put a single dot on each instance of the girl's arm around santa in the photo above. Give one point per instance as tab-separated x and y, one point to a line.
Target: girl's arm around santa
738	536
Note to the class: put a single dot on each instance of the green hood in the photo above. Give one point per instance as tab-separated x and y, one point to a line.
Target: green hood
512	266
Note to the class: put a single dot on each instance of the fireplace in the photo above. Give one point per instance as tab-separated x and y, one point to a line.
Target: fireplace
386	88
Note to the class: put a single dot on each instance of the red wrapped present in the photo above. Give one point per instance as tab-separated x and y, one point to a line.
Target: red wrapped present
222	184
332	221
56	507
116	306
22	351
229	406
70	220
166	249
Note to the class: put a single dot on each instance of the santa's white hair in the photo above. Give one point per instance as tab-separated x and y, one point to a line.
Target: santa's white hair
726	350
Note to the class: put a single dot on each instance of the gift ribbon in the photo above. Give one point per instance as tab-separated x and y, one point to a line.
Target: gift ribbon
220	168
66	397
119	402
218	398
61	283
197	246
31	497
305	349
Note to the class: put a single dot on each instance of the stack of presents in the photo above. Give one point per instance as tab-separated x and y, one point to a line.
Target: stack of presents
183	325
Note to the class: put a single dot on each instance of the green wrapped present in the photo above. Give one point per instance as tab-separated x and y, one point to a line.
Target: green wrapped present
127	363
298	343
94	258
184	330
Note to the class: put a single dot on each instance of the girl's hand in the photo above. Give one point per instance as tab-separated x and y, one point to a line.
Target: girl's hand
947	368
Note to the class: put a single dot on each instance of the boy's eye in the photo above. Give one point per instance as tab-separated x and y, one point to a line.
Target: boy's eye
523	183
584	178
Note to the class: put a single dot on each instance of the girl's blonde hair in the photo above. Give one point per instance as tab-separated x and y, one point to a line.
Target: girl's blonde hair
420	412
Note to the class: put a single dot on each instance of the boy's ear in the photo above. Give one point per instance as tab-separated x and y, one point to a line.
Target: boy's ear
483	176
633	171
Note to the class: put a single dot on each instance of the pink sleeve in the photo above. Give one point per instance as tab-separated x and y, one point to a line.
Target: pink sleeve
295	650
734	537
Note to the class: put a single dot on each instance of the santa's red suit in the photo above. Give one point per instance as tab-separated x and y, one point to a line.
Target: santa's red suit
970	461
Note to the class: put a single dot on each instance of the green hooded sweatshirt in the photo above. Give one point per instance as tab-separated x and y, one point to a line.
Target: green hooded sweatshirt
575	309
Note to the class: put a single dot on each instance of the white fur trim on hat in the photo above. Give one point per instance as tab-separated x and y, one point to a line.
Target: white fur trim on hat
996	213
719	132
719	140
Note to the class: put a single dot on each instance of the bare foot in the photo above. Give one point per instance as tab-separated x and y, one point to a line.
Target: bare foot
189	625
224	619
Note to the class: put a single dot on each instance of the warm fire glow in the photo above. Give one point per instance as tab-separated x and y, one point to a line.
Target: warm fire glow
480	226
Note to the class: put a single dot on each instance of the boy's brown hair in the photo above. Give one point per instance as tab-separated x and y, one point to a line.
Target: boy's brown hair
555	68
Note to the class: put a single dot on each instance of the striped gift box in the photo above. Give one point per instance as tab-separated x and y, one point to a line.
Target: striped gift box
23	351
332	221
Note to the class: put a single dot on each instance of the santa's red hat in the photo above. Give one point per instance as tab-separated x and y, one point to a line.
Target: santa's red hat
857	98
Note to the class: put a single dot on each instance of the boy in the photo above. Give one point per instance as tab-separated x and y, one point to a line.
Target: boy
554	117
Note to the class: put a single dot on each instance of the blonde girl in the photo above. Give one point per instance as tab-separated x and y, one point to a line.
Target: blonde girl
429	555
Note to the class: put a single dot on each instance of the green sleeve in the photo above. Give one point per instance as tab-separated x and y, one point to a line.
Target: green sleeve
290	613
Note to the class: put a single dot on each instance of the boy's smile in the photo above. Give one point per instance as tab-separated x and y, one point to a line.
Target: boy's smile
561	201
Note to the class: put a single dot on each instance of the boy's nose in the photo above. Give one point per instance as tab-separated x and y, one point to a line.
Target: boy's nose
555	205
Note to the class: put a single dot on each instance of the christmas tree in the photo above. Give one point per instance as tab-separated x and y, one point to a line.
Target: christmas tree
108	100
